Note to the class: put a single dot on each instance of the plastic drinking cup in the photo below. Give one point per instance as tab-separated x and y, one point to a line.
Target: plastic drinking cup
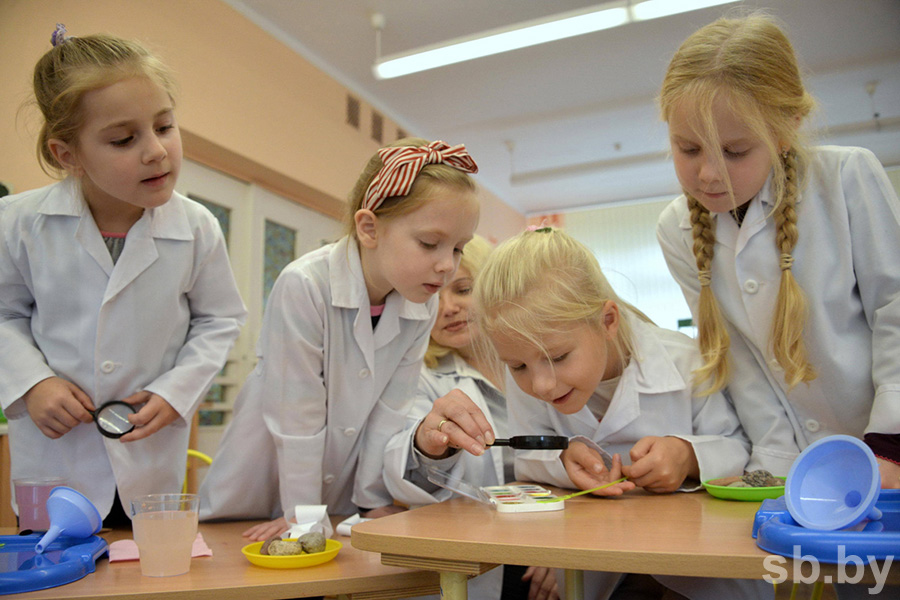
165	526
31	500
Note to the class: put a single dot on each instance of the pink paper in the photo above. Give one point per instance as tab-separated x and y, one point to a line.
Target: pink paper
128	550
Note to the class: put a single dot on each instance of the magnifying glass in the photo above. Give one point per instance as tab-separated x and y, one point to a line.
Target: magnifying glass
112	418
534	442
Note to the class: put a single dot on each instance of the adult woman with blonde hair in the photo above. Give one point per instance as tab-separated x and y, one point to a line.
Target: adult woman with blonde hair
460	404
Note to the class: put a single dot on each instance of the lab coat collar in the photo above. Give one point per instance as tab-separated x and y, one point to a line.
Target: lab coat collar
348	285
168	221
651	370
453	365
348	290
764	207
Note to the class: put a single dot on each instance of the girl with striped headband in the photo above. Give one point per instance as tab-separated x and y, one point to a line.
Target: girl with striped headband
786	254
343	338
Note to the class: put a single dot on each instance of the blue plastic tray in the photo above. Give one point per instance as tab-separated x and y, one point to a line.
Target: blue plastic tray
776	532
66	560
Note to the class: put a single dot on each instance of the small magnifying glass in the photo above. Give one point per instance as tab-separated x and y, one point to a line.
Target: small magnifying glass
534	442
112	418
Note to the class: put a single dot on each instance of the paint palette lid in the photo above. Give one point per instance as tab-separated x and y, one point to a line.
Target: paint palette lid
504	498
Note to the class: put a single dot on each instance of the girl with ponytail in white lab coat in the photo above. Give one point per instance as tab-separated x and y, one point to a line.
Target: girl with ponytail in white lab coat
343	338
583	364
112	285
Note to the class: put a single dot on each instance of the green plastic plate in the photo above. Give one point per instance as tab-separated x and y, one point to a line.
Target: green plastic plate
745	494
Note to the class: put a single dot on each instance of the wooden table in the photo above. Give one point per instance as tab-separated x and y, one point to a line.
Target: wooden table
674	534
353	574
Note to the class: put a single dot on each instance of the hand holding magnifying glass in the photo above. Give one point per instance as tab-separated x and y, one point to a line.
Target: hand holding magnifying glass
112	418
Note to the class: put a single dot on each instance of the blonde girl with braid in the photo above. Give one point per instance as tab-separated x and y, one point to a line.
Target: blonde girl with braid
786	254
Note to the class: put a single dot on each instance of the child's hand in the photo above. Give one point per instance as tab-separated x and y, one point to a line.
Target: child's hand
383	511
890	474
661	464
264	531
543	583
586	470
153	416
454	422
56	406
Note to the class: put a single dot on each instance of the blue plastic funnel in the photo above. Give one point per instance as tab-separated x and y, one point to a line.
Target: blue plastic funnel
833	484
72	514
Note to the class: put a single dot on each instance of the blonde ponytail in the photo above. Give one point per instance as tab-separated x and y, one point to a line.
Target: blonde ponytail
713	336
791	307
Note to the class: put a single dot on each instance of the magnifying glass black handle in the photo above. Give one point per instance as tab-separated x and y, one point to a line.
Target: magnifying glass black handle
534	442
112	418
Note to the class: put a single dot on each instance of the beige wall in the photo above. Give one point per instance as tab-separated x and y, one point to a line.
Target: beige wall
248	105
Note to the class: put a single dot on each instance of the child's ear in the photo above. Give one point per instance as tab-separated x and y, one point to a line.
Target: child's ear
65	155
610	317
366	228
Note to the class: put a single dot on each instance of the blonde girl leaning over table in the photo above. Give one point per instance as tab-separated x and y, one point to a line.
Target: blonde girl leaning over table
461	393
343	336
787	255
586	365
112	285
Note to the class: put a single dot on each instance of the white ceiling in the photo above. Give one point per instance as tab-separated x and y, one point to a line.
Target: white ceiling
580	113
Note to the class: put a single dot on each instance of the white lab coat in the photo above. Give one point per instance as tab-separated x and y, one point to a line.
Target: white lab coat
404	466
312	421
846	261
655	397
162	319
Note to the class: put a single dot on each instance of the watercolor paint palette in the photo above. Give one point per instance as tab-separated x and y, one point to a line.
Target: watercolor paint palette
505	498
522	498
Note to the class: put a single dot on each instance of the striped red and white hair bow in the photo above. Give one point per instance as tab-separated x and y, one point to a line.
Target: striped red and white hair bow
402	165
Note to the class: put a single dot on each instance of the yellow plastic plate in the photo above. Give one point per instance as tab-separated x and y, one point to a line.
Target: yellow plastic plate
746	494
251	551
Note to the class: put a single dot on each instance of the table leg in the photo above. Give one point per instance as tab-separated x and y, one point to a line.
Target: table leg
454	586
574	584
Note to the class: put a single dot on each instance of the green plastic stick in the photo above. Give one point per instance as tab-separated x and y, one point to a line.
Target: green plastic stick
605	485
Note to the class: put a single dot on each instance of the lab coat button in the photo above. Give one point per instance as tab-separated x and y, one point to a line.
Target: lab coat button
812	425
364	373
328	478
751	286
107	366
350	431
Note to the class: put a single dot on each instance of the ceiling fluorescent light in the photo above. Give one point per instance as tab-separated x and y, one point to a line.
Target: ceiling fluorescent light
654	9
530	33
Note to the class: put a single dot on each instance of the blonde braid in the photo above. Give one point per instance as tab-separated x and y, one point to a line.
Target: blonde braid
791	306
714	340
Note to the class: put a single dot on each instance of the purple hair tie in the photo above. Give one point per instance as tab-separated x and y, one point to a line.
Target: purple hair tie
59	35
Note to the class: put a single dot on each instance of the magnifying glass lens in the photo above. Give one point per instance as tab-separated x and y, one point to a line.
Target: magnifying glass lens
112	419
